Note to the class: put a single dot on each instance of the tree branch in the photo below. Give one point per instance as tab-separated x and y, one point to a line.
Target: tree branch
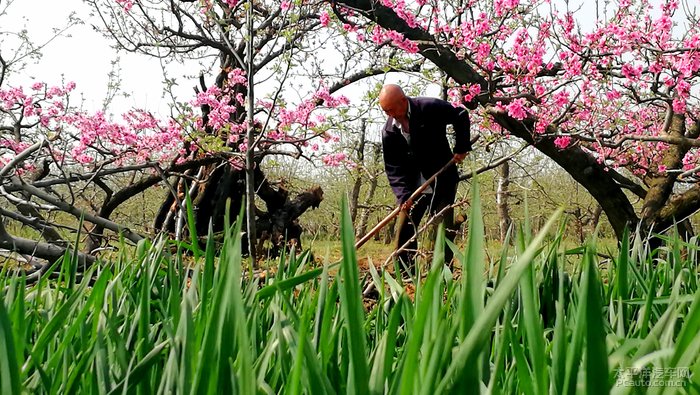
49	252
81	214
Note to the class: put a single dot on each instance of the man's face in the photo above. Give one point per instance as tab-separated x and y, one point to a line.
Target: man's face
396	108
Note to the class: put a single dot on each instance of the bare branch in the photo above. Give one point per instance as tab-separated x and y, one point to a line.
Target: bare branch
22	156
81	214
38	249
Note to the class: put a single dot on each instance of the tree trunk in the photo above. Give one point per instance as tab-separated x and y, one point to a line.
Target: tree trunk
278	224
584	168
373	182
47	251
502	194
390	232
249	158
579	224
661	185
357	185
364	219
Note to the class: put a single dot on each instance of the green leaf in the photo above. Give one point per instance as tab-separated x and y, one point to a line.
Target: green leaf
531	320
525	381
53	328
596	353
140	371
424	302
502	339
351	307
9	369
471	304
294	386
384	357
290	283
467	350
689	330
559	341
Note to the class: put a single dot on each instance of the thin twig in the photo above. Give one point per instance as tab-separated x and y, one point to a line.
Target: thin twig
422	229
371	286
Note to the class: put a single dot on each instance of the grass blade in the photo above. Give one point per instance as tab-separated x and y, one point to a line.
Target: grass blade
351	308
596	354
9	369
465	353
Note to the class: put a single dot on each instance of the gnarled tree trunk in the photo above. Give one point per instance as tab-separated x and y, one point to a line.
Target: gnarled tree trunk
225	183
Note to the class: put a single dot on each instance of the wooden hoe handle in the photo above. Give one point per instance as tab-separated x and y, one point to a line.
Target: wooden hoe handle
397	210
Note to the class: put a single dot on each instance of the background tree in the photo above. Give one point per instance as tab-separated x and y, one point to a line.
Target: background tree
57	159
610	101
88	165
287	41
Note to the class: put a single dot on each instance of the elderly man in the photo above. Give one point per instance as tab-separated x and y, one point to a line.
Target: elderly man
415	147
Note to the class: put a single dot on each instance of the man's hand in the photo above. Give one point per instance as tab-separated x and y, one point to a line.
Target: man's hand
406	206
460	157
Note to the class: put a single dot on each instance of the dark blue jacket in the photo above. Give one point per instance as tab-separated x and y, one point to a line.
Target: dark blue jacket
429	150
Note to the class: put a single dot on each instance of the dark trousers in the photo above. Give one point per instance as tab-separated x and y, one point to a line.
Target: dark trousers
408	223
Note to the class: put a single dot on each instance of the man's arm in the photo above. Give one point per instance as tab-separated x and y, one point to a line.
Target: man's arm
459	118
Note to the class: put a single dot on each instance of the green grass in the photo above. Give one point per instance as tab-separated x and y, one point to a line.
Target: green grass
146	322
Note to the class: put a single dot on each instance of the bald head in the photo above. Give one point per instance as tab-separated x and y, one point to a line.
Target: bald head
393	101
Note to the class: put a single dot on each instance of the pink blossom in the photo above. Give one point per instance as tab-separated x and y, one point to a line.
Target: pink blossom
141	138
454	96
237	76
380	35
631	72
126	4
678	106
377	35
682	87
502	7
562	142
285	5
483	50
540	89
573	66
472	92
561	99
613	94
334	160
517	109
17	147
54	91
324	18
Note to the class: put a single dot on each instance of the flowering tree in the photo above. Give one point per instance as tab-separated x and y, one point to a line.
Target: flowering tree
613	101
89	164
54	157
606	91
281	49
